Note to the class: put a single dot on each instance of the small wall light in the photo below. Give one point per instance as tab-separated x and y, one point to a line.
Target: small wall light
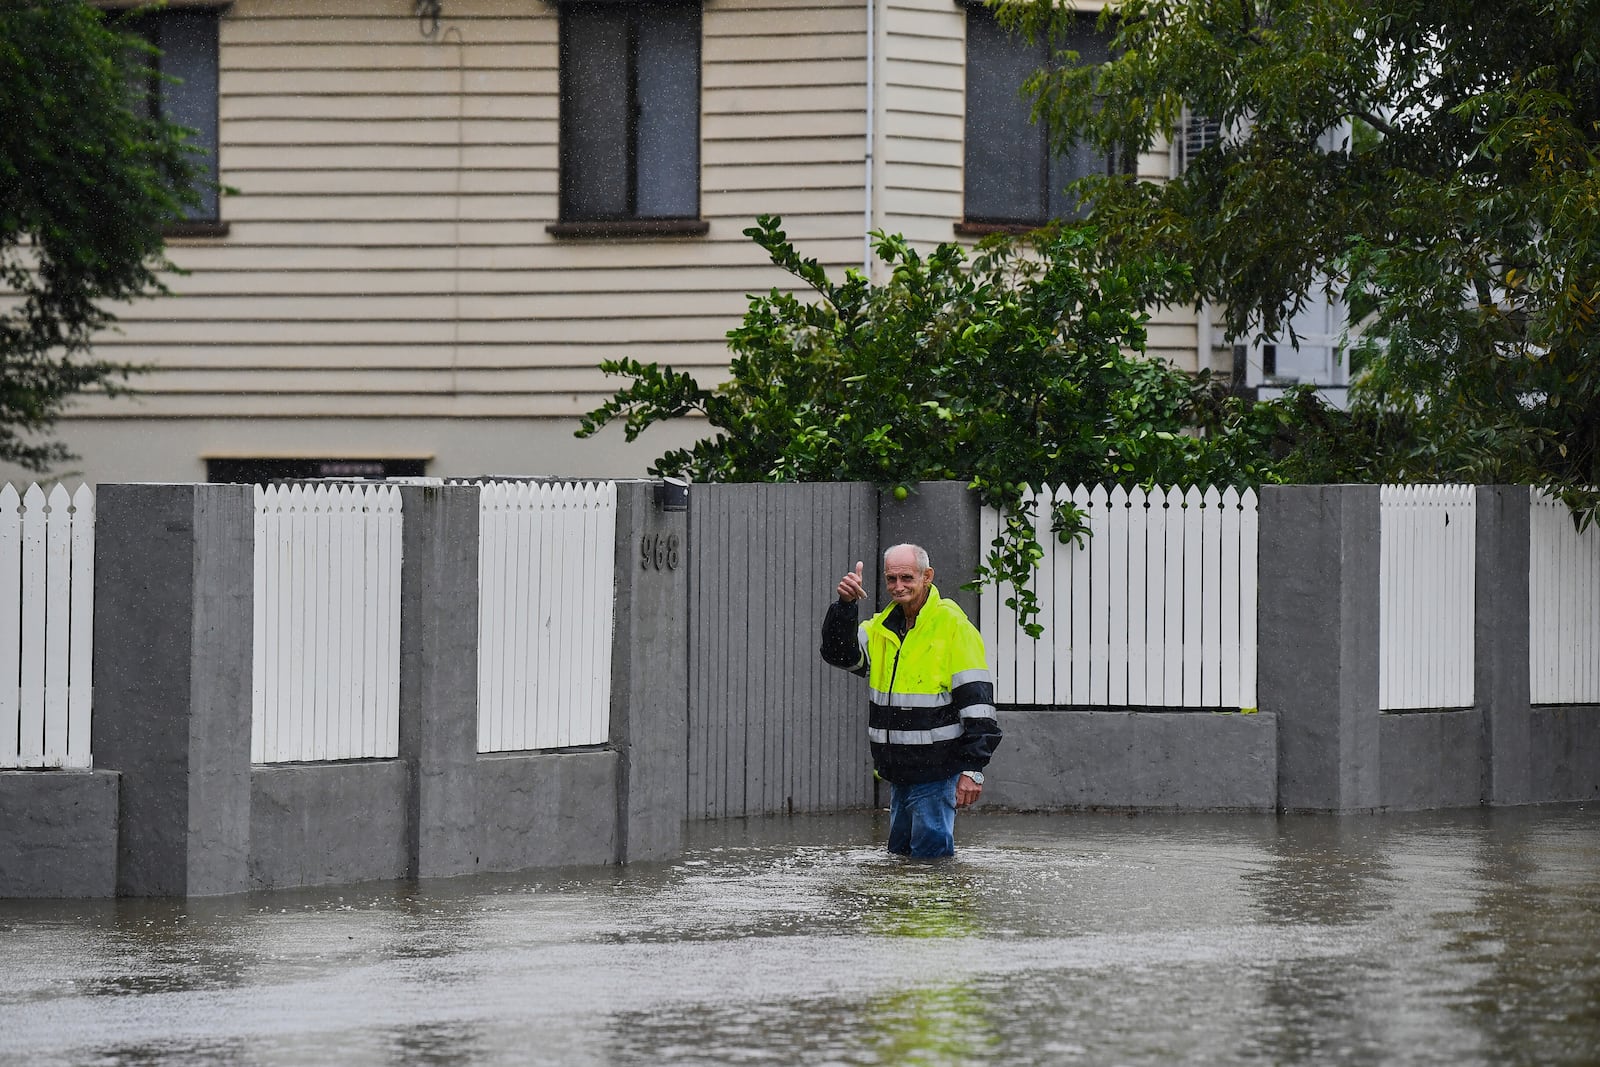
672	494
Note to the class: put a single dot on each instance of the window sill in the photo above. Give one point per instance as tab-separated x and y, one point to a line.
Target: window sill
196	229
631	228
984	229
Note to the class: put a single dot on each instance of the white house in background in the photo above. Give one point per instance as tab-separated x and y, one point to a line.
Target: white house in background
439	227
1318	359
1311	350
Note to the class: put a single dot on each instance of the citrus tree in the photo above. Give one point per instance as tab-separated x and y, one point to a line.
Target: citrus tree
1007	368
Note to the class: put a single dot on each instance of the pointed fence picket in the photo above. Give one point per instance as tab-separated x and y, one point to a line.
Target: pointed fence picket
326	680
546	581
1155	608
1563	606
46	626
1426	567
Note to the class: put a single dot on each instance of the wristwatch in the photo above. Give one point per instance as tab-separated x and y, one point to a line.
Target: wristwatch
976	776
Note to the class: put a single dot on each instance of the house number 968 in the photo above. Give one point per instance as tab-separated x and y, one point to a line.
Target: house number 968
659	551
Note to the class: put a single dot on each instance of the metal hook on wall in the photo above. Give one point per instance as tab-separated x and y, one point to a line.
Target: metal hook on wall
428	12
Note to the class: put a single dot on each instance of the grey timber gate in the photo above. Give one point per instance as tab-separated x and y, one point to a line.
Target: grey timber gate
771	727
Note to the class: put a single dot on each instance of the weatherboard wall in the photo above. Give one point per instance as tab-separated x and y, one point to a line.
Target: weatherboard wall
388	286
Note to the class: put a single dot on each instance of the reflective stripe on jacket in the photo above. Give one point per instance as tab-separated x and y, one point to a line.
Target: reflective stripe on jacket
931	695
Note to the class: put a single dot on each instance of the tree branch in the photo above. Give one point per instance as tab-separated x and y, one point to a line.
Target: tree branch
1386	128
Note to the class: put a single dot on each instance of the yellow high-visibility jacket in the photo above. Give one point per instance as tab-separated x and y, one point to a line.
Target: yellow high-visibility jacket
931	696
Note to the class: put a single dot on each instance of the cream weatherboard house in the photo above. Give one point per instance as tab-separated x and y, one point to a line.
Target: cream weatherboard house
441	220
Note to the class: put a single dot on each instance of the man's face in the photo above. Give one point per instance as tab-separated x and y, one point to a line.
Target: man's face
908	586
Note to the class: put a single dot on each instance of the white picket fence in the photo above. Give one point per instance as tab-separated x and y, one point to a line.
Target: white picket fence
46	626
327	623
1428	538
546	586
1563	606
1157	608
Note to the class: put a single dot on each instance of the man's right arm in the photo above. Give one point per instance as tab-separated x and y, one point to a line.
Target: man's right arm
841	638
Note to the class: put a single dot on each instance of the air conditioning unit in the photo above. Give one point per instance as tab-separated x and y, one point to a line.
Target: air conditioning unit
1195	134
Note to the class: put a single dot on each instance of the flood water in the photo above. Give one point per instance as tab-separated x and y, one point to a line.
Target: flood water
1445	938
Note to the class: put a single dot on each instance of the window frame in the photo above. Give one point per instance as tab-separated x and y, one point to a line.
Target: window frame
972	226
146	26
571	223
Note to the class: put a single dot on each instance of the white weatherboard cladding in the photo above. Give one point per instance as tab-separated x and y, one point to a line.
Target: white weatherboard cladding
388	256
388	253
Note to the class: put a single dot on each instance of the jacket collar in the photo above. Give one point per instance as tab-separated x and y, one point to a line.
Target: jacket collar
894	612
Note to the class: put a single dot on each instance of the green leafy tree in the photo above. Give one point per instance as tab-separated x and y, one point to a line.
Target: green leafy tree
1009	368
88	180
1435	161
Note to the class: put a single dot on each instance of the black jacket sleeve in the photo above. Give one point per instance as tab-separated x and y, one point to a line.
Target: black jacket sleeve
979	738
980	733
841	644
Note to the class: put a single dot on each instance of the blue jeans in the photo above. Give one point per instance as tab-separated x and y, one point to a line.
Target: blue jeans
922	818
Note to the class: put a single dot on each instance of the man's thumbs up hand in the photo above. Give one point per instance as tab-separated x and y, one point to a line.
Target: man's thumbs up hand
850	586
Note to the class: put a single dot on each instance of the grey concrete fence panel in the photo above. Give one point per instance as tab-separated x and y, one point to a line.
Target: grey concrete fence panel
650	673
942	517
771	727
174	584
439	674
329	823
1500	640
1318	651
58	833
1162	761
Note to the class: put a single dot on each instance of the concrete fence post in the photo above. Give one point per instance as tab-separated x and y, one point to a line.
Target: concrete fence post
173	634
1500	670
650	674
1318	646
439	675
942	517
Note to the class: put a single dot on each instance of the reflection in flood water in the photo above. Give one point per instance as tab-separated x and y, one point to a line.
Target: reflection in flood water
1448	938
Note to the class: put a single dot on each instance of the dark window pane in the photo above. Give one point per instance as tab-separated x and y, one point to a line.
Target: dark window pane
1092	45
1005	170
594	119
181	86
668	156
1008	178
188	43
630	111
144	92
1078	161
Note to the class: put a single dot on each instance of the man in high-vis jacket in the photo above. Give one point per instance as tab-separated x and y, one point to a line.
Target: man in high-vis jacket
931	718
